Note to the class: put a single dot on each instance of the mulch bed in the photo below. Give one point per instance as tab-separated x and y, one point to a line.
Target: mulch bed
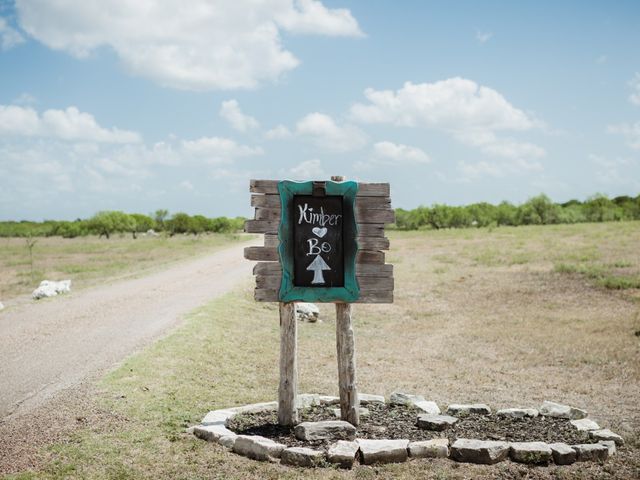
399	422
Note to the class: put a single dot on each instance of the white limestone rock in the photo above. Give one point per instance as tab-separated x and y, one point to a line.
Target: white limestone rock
212	433
606	434
585	424
610	444
217	417
257	447
517	412
307	312
363	412
435	422
255	408
301	457
228	441
468	408
591	452
427	406
343	453
366	398
1	306
329	400
537	453
557	410
325	430
305	400
401	398
436	448
563	454
49	288
383	451
485	452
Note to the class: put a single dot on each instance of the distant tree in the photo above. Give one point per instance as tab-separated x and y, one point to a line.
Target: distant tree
141	223
160	216
599	208
506	214
539	210
179	223
109	222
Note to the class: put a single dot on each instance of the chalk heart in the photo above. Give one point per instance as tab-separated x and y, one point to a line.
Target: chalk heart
320	232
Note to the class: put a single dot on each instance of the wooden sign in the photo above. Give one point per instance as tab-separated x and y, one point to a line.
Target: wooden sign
282	273
323	242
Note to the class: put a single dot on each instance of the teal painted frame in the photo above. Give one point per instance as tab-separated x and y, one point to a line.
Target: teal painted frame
350	292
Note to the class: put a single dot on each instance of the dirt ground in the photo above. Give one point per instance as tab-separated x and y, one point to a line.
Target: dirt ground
479	316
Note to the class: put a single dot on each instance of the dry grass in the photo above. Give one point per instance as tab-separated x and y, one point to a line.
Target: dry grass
87	260
479	316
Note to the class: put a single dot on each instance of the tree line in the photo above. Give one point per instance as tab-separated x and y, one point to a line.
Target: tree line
107	223
539	210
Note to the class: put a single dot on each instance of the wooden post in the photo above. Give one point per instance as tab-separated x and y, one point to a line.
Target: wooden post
346	346
349	402
288	389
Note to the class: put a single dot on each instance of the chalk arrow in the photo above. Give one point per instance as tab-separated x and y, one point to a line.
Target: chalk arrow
317	266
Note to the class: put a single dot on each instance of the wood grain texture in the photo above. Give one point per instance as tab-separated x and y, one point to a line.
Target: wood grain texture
370	256
288	388
271	295
364	214
371	229
261	254
364	189
273	201
346	348
373	243
362	269
369	284
261	226
271	240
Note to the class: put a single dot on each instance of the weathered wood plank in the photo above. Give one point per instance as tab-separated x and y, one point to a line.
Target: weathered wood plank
346	348
362	269
271	295
374	216
271	240
369	256
369	284
261	254
270	254
261	226
371	229
273	201
364	189
373	243
264	213
288	388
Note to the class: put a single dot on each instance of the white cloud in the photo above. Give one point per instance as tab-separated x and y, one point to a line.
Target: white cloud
631	133
469	112
218	150
311	16
309	169
326	133
186	185
617	171
278	132
482	168
231	112
396	153
9	36
68	124
635	94
483	37
209	45
25	99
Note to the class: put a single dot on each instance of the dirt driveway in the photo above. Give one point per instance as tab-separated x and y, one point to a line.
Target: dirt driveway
53	344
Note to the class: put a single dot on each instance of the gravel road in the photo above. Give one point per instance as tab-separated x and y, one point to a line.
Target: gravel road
54	344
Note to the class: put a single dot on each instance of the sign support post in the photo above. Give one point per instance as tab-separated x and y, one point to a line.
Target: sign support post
346	349
323	242
288	389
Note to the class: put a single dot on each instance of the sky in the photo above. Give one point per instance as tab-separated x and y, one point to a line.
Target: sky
138	106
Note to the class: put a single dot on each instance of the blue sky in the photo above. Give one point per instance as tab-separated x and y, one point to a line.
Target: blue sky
130	106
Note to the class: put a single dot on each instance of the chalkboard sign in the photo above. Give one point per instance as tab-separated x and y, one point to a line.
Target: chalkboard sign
318	256
318	241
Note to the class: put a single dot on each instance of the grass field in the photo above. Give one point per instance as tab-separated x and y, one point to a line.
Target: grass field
508	317
87	260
